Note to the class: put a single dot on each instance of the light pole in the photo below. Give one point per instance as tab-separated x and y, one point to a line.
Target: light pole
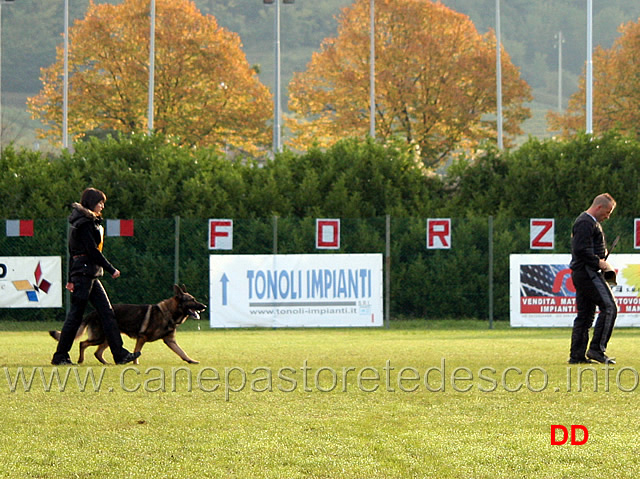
65	82
498	75
277	113
372	73
560	39
1	127
589	106
152	55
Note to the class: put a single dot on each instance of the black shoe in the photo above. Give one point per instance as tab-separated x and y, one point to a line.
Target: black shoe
62	362
600	357
580	361
127	358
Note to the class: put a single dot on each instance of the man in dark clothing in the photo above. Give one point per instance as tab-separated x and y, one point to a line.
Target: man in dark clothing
86	266
588	253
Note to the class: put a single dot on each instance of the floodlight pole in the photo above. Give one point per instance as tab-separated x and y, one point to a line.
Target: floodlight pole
589	106
277	107
65	82
1	2
498	76
372	73
277	142
560	42
152	55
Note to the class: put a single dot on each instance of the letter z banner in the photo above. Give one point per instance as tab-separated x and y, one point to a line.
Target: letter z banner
542	233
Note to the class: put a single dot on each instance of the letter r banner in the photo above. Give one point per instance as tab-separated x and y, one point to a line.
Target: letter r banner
438	233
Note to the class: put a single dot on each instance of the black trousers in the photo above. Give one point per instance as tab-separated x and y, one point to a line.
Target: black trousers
591	291
87	290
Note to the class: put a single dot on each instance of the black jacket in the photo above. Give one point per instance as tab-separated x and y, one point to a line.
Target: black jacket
85	244
588	244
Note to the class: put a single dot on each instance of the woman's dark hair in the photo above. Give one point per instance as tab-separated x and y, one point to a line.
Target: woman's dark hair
91	197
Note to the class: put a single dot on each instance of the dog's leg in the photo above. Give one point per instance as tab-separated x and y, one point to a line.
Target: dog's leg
100	351
82	346
98	354
173	345
139	343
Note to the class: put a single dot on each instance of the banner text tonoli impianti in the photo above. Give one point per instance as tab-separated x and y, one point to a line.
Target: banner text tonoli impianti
309	284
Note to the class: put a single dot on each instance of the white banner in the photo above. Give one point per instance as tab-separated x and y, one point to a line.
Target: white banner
542	292
305	290
30	282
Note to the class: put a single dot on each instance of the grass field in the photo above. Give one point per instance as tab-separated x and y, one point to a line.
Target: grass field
340	404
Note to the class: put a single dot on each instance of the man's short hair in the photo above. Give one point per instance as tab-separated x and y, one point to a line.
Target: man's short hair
605	199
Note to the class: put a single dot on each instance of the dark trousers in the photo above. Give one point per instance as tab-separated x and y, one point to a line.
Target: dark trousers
591	291
87	290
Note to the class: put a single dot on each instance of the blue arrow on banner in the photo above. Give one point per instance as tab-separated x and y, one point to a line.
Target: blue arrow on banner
224	280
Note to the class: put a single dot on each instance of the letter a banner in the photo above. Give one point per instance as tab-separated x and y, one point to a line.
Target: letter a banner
296	290
542	292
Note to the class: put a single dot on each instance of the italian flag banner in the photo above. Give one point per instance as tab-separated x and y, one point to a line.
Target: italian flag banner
119	227
19	227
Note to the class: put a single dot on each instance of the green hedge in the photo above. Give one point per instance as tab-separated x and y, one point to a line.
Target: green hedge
151	180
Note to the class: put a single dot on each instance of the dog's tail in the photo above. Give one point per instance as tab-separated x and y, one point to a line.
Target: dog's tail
56	334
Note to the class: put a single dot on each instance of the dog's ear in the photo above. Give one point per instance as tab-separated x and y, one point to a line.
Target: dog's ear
184	288
176	290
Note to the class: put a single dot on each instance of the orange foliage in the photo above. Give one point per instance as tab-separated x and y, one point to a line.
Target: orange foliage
205	91
616	90
435	81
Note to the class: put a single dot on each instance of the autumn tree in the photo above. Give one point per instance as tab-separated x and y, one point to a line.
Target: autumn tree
435	81
205	91
616	89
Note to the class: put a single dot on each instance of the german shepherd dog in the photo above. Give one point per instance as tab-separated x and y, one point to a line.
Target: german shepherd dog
144	323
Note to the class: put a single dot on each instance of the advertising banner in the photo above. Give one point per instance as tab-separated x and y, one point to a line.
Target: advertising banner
542	292
30	282
297	290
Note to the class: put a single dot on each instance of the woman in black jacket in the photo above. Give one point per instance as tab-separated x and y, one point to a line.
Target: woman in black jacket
86	265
